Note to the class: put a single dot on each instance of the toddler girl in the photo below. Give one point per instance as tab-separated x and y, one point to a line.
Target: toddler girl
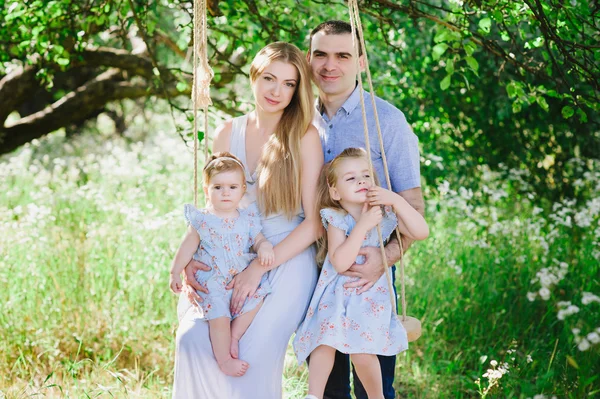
363	325
220	236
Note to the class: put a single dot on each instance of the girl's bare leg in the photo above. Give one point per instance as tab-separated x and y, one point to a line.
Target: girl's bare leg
369	372
220	337
239	325
319	368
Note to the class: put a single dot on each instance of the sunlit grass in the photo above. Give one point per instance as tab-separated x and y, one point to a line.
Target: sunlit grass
88	229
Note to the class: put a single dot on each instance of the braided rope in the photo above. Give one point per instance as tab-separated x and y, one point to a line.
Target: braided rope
203	75
357	27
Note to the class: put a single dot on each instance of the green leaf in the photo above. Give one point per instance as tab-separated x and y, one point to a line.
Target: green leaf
516	107
582	116
469	48
450	67
472	62
485	24
445	83
542	103
63	61
438	50
441	36
567	112
511	89
181	86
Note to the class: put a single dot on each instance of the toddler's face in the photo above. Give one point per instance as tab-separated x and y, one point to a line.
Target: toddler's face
353	181
225	190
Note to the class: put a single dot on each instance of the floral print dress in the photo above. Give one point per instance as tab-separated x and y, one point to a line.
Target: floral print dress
338	317
224	246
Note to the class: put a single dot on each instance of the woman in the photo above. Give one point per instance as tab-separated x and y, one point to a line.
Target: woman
282	154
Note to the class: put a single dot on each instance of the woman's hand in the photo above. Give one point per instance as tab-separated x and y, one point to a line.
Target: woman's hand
244	285
190	284
380	196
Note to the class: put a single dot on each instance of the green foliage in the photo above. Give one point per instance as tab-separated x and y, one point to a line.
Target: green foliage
494	82
90	227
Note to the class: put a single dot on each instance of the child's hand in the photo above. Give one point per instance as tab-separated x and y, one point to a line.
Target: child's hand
175	283
370	216
380	196
266	255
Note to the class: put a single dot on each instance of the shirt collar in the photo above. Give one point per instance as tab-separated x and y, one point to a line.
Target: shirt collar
348	106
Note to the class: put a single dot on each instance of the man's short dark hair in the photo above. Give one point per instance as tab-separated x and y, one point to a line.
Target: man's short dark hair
334	27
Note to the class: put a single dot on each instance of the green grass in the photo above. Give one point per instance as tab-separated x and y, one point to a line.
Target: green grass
88	229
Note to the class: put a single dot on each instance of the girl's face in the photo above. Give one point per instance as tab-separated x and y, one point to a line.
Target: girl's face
275	86
225	190
353	181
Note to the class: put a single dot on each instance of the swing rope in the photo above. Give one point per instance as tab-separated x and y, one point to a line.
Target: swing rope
356	24
203	75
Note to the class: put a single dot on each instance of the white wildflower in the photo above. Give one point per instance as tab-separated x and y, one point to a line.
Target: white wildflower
544	293
583	345
593	337
588	298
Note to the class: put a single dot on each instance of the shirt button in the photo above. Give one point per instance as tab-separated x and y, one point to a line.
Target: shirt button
330	126
329	151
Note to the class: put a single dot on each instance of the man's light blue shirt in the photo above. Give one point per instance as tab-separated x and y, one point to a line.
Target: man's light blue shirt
346	130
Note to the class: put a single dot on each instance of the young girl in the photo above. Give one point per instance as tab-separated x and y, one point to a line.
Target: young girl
220	236
338	319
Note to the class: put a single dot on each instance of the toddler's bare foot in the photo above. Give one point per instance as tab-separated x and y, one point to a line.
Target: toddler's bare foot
234	367
234	349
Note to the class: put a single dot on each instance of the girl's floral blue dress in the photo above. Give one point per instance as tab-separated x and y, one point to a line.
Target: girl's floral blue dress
224	246
338	317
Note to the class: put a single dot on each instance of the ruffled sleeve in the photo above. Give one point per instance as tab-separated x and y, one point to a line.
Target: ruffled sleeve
335	218
193	216
253	216
389	222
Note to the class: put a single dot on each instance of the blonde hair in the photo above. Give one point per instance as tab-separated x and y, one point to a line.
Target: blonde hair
279	168
220	162
328	179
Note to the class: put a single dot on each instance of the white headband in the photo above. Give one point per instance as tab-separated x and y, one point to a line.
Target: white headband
229	158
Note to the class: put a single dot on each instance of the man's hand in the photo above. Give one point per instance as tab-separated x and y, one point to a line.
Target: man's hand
368	273
244	285
190	284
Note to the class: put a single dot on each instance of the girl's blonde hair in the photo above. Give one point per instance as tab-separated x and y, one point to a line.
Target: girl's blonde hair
220	162
279	168
328	179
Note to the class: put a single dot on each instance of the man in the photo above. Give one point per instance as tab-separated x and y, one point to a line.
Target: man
340	124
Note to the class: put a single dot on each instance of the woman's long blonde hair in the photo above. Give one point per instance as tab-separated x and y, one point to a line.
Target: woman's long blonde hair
328	178
279	168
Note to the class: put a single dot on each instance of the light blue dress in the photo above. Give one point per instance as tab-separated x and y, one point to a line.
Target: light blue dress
225	247
264	345
338	317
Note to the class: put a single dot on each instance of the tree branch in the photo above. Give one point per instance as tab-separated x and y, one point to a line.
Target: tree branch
76	107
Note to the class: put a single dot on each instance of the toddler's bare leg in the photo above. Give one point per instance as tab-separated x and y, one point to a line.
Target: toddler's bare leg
369	372
220	335
319	368
239	325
